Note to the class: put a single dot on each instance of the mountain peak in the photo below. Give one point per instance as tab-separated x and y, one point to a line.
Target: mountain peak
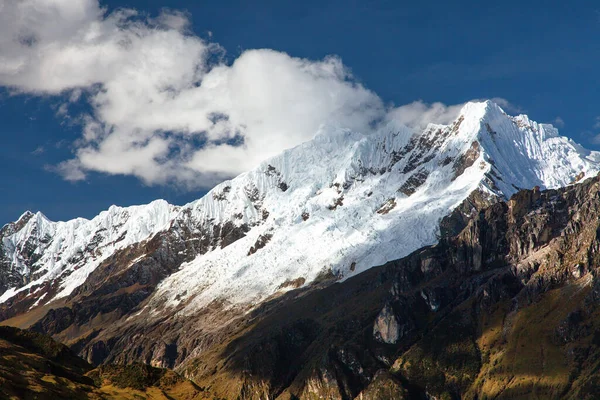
27	218
481	110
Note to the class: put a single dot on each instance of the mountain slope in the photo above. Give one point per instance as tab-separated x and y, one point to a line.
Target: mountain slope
507	309
160	284
33	366
358	207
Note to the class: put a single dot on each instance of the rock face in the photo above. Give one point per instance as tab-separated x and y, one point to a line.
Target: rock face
386	328
236	289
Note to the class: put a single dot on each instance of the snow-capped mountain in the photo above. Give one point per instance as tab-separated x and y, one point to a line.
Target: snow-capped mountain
329	208
35	250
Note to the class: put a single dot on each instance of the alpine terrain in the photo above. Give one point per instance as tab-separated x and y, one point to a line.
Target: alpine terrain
454	261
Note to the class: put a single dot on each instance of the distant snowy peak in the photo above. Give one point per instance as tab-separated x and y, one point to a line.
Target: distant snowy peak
34	249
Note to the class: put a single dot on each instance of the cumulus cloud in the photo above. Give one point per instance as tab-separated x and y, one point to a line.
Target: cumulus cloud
558	122
507	105
165	106
418	113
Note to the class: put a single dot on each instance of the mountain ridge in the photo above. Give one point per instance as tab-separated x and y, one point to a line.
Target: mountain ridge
472	138
320	213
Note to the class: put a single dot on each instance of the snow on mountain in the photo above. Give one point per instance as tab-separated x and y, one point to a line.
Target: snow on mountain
353	201
334	206
42	250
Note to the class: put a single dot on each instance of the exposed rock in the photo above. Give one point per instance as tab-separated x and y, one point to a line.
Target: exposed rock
272	171
384	387
294	284
386	328
579	177
337	203
457	220
414	182
260	243
466	160
387	207
283	186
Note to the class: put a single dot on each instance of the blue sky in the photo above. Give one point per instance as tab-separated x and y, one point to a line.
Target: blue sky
543	57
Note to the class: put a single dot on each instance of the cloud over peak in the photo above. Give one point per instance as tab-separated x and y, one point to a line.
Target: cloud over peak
162	108
163	105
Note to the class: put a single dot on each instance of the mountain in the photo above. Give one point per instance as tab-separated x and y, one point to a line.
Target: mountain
509	308
58	256
170	286
506	309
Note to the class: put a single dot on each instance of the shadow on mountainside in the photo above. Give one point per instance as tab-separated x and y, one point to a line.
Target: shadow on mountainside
34	366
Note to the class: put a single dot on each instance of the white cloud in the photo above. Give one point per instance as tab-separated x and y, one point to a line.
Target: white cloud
418	114
70	170
38	151
507	105
558	122
156	93
165	107
595	139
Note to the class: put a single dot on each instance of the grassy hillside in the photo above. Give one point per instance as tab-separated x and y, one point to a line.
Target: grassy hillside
34	366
